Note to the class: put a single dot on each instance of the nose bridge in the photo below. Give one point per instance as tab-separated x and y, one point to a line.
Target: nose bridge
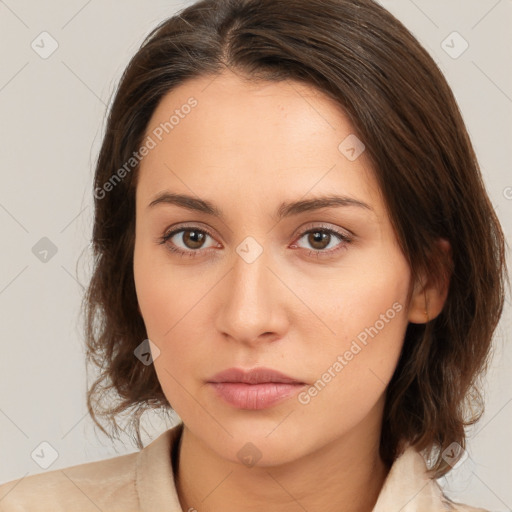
249	306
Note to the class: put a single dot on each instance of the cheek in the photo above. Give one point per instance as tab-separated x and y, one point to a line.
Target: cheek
369	284
371	320
367	312
159	293
170	303
159	303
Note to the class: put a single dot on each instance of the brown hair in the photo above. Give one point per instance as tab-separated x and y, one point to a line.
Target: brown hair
401	106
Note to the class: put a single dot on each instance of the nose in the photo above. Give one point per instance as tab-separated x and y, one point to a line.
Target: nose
251	302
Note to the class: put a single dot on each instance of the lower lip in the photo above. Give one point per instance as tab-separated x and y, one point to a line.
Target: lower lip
254	396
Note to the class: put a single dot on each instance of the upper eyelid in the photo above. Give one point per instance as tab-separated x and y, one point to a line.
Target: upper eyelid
328	226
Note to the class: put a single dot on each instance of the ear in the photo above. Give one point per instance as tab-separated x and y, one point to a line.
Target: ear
429	295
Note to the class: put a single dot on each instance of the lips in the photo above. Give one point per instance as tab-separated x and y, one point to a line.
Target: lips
255	389
254	376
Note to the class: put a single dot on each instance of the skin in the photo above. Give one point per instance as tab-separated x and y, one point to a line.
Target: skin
248	147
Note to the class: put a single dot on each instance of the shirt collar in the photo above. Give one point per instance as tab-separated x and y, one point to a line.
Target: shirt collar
154	476
409	488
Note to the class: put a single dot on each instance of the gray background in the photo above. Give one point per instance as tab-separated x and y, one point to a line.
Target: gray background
52	119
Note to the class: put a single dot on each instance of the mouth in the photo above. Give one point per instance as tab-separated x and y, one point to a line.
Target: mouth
255	389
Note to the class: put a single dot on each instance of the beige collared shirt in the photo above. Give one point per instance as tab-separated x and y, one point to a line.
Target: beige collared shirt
143	481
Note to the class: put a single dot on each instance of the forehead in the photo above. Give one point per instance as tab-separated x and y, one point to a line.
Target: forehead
261	138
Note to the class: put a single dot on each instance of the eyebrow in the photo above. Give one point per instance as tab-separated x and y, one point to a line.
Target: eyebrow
284	210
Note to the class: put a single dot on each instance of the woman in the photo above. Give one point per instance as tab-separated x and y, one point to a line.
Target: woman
295	252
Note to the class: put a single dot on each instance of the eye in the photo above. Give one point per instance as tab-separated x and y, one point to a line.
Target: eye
191	238
321	237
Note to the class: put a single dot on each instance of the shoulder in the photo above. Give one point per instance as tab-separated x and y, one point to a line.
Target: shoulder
102	485
137	481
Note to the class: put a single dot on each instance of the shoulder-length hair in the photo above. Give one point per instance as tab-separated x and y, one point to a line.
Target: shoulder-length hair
401	106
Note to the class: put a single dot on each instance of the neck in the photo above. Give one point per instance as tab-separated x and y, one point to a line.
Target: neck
345	474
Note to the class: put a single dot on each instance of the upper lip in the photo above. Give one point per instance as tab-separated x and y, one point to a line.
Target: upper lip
254	376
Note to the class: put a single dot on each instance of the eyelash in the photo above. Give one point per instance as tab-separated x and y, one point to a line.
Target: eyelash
345	239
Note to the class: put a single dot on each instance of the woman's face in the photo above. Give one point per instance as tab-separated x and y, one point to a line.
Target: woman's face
264	283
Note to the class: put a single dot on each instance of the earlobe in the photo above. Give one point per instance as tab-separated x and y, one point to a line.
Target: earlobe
429	294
